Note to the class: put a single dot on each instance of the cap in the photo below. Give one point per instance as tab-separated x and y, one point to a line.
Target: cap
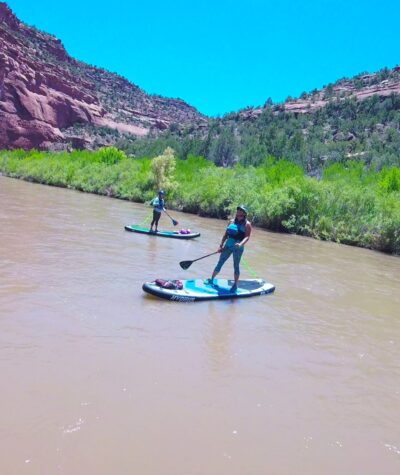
242	208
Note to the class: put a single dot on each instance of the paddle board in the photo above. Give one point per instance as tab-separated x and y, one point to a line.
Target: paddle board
198	289
169	234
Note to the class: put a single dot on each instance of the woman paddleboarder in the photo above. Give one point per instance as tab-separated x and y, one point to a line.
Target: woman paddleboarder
235	237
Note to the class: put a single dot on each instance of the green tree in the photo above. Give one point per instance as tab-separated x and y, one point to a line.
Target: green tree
268	103
224	148
328	91
163	169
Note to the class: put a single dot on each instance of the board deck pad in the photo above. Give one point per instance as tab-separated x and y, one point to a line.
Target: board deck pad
198	289
169	234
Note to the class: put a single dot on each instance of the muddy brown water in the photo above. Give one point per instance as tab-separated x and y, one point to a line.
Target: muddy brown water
99	378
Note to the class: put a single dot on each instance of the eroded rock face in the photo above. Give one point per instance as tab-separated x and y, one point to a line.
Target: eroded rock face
37	99
368	85
44	91
359	88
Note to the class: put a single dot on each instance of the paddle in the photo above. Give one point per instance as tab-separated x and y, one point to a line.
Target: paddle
174	221
186	264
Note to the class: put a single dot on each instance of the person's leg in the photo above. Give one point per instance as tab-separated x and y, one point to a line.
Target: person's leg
237	255
154	219
221	261
157	219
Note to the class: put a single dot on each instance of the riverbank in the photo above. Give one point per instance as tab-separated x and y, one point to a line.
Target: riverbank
349	204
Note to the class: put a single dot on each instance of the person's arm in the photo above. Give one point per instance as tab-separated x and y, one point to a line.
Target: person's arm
246	237
224	238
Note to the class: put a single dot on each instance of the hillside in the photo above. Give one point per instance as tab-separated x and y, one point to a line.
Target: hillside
50	100
353	119
365	85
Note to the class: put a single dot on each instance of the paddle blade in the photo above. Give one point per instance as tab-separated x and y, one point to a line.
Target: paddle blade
174	222
185	264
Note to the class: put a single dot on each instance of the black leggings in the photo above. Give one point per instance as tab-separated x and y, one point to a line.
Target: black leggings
156	218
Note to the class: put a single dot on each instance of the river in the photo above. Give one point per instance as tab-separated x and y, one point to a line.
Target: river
100	378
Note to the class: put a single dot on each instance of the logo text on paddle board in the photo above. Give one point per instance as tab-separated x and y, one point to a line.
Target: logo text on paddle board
182	298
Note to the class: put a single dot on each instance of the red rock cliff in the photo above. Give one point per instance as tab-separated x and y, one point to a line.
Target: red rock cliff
44	91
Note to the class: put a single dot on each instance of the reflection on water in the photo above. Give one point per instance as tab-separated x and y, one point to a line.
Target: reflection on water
219	335
100	378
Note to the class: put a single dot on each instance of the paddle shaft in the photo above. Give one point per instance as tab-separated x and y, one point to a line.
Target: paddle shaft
172	219
208	255
186	264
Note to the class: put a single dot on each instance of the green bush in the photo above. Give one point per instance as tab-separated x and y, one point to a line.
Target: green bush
390	180
110	155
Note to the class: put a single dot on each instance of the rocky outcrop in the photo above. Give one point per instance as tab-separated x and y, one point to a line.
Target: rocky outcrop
44	93
7	16
363	86
366	87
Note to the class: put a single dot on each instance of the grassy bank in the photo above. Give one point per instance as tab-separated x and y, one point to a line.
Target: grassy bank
349	204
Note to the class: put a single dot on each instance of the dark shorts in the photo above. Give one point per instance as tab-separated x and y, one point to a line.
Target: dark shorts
156	216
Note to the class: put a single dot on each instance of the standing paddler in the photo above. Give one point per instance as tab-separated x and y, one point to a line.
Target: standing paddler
158	204
235	237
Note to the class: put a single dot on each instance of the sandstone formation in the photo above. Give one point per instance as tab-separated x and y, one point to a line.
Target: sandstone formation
361	87
45	94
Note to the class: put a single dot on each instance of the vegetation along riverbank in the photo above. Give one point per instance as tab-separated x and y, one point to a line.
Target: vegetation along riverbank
350	203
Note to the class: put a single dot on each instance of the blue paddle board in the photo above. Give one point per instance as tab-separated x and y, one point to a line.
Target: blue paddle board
198	289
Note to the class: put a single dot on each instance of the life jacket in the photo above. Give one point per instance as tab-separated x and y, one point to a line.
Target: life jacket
158	203
237	230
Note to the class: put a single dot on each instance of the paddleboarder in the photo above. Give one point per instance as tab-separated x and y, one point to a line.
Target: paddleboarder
158	204
235	237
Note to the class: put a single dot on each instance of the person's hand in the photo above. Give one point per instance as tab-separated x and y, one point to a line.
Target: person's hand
220	249
237	245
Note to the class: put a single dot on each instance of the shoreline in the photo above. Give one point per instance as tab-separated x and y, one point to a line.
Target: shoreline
349	204
203	215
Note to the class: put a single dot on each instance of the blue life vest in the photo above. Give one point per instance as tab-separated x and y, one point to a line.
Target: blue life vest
236	231
158	204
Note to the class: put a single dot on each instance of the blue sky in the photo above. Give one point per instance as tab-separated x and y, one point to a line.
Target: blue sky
221	56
